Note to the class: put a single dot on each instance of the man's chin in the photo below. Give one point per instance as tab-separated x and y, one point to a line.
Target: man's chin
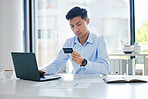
78	36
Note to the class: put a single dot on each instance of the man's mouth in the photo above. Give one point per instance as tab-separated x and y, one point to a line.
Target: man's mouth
78	33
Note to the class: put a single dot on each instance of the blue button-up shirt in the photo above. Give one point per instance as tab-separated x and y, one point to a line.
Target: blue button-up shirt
94	51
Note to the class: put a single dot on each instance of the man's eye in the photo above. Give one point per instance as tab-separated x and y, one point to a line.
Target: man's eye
72	26
78	24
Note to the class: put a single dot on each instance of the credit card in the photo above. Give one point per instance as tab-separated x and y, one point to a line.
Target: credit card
67	50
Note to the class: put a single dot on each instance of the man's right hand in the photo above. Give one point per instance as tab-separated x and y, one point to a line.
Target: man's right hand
41	72
76	57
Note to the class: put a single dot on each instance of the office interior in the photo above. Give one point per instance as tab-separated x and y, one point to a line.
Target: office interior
39	26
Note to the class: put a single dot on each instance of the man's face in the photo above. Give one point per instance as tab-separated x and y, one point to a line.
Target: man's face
79	26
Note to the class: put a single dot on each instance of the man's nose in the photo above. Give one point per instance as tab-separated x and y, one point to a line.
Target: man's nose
76	29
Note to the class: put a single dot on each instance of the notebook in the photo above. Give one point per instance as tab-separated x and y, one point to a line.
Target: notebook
127	79
25	66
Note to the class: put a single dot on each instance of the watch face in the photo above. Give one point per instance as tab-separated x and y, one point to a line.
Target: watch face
84	62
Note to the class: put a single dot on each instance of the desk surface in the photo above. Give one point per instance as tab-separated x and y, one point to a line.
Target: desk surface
20	89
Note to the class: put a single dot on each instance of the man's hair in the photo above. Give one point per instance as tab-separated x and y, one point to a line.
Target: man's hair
77	11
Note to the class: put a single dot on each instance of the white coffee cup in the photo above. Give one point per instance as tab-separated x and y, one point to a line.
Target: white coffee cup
8	73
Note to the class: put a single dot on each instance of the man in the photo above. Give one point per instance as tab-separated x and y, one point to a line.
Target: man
89	55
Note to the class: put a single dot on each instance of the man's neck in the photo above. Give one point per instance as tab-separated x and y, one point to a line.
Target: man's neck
84	39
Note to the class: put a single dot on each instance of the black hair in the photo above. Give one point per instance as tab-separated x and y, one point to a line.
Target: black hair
77	11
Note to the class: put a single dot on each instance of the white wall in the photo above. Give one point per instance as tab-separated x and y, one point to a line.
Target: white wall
11	31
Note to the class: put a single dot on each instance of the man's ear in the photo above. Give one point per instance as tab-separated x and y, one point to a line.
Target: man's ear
87	21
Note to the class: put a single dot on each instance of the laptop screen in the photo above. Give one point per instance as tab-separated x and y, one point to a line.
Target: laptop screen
25	66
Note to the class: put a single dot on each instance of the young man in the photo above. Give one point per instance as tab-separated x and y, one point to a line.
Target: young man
89	55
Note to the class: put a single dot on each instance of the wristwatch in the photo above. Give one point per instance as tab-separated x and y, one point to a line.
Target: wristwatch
84	62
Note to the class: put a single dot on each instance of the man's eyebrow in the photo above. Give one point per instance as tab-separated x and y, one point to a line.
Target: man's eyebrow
78	22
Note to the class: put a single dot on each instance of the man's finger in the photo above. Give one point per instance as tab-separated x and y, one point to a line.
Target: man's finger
74	56
76	53
73	59
41	72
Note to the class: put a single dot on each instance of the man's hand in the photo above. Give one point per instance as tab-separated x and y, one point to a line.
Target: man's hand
76	57
41	72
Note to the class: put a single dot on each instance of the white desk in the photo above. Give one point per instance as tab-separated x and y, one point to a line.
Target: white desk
133	60
20	89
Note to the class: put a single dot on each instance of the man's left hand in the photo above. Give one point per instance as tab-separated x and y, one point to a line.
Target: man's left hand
76	57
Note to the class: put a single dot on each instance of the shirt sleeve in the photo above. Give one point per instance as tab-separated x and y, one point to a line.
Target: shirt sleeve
101	65
58	63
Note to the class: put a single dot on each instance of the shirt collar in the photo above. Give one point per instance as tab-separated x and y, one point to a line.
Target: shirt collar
89	40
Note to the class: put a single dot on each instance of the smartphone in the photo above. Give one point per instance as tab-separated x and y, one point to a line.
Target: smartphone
67	50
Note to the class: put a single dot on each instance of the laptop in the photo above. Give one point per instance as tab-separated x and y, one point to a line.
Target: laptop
25	66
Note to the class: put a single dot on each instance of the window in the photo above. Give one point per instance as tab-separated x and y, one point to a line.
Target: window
141	24
141	30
